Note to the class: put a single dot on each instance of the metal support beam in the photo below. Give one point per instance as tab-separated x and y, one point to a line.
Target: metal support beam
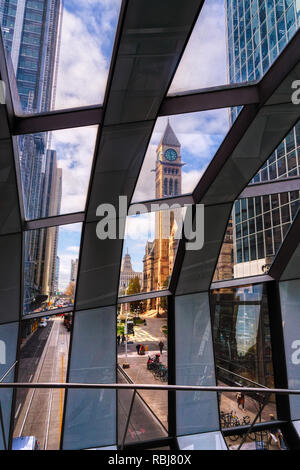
55	120
271	187
143	296
64	219
287	249
209	98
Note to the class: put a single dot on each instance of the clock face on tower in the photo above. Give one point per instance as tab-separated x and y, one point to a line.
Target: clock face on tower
171	155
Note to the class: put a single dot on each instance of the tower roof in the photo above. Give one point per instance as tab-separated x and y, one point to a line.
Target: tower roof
126	264
169	137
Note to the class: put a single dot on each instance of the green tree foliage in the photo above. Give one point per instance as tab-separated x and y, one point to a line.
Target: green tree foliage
164	300
134	287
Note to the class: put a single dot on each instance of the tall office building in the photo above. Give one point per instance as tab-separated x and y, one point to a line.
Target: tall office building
48	238
31	33
257	31
57	266
74	269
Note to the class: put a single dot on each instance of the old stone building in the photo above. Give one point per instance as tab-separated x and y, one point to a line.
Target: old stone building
160	253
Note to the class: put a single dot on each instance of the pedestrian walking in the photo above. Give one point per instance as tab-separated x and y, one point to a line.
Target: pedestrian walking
123	338
161	345
138	348
242	400
118	340
238	398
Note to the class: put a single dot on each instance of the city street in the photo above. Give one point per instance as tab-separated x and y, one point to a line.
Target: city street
149	335
142	425
43	359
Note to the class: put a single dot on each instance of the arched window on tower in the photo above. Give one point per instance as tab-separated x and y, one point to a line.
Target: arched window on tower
171	187
176	188
165	186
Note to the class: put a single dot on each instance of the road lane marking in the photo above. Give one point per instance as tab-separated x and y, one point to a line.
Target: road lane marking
18	410
30	378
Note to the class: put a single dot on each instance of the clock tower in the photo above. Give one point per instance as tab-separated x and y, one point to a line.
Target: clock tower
168	165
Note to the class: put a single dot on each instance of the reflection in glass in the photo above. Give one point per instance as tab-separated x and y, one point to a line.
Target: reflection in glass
180	149
8	348
43	358
142	342
205	441
90	418
51	263
55	169
196	411
266	439
243	351
249	247
289	297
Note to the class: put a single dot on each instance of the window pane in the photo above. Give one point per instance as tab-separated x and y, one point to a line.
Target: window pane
55	170
180	149
8	348
233	43
242	345
51	263
289	296
90	419
74	45
43	358
142	343
149	251
196	411
205	441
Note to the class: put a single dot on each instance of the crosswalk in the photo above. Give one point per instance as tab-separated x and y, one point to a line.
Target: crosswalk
143	336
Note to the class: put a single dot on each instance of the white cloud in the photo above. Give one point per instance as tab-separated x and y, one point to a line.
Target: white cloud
74	249
88	30
204	61
75	150
190	179
199	134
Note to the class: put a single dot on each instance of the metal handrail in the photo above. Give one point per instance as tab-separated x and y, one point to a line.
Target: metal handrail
187	388
134	387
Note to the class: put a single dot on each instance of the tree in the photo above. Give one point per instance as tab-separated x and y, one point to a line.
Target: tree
70	290
164	300
134	287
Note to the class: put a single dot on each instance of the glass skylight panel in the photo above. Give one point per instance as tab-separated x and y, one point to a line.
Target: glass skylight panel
50	267
255	233
60	51
55	170
235	42
180	149
149	251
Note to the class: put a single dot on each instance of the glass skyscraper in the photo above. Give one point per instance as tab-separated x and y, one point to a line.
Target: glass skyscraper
31	33
257	31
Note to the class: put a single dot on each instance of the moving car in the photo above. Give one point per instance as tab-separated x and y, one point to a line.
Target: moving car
43	324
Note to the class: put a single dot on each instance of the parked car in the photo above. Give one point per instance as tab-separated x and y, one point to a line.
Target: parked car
43	324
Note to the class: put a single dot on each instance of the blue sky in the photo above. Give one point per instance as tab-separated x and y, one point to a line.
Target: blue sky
200	135
88	32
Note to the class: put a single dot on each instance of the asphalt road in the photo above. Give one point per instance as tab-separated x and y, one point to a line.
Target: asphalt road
29	359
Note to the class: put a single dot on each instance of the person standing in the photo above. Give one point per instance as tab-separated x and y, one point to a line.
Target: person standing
138	348
118	340
161	345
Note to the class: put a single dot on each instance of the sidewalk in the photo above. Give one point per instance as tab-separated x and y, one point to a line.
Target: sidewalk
138	373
